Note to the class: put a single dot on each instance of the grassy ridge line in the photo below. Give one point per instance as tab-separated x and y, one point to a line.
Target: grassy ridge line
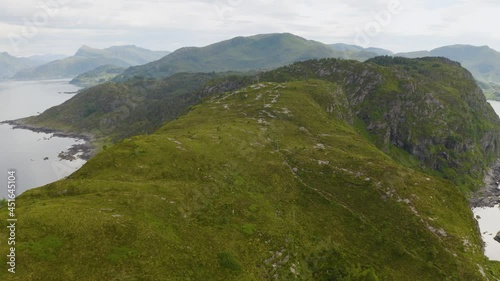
262	183
116	111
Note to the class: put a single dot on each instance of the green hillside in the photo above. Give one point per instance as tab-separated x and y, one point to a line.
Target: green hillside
270	182
116	111
87	59
321	170
264	51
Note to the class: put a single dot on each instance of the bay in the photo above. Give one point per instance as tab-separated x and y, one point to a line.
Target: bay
34	156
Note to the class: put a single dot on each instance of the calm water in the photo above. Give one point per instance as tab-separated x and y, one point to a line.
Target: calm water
489	221
24	150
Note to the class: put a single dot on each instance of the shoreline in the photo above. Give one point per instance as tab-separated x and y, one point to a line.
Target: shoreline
489	195
83	151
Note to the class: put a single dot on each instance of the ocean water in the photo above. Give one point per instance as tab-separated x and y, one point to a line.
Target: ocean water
489	218
489	223
34	156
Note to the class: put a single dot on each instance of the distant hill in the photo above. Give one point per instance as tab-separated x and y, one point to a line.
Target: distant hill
87	59
97	76
482	61
354	48
10	65
264	51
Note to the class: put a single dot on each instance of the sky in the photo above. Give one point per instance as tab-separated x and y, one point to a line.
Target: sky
35	27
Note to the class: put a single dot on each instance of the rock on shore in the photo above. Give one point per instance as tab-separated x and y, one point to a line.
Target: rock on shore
83	151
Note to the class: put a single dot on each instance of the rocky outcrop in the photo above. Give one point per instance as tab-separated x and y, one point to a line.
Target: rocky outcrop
489	195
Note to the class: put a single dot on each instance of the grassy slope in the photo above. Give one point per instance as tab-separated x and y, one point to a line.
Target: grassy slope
255	184
116	111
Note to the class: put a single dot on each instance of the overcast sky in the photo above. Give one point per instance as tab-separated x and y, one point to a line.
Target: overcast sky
30	27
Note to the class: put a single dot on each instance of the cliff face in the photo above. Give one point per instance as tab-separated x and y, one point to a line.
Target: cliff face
430	109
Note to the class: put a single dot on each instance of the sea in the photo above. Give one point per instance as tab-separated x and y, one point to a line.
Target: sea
33	156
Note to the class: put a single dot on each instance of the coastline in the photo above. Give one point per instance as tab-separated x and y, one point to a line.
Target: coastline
83	151
489	195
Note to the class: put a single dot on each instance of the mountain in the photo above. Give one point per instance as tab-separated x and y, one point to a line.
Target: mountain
87	59
10	65
482	61
265	51
97	76
282	179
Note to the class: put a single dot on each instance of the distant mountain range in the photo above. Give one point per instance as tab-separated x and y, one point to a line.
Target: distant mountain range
87	59
272	50
9	65
43	59
259	52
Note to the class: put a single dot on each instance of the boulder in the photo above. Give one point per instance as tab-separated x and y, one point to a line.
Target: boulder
497	238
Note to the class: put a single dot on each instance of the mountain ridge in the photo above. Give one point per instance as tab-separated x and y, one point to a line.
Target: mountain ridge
141	106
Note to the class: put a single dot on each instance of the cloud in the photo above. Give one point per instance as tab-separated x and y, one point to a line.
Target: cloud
170	24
